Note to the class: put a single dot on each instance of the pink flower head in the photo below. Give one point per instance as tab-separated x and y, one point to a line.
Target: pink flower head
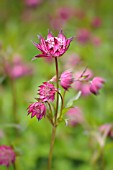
72	61
83	35
65	13
74	116
33	3
96	22
66	79
7	155
37	109
17	68
81	81
47	92
84	87
53	46
83	75
96	41
96	84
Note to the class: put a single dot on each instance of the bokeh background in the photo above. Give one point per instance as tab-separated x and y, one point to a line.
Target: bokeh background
91	23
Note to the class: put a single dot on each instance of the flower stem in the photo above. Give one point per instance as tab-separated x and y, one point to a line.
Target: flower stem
14	166
101	159
62	106
51	147
57	86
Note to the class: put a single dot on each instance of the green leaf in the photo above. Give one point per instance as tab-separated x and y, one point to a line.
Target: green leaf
71	101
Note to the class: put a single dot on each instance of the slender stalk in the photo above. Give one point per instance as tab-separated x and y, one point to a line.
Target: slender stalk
51	147
62	104
14	166
101	159
57	86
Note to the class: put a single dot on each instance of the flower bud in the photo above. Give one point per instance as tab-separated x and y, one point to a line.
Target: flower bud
74	116
66	79
96	84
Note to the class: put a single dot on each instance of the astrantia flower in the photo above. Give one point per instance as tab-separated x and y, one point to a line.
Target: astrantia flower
74	116
66	79
37	109
17	68
47	92
96	22
83	35
82	81
96	84
53	46
7	155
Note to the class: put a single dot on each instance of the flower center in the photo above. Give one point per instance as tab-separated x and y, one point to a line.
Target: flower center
54	41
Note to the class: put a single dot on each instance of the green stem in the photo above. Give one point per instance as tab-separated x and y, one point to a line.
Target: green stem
51	147
57	86
62	104
101	159
14	166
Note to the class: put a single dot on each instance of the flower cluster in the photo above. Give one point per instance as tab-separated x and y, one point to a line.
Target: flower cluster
54	47
7	155
84	83
46	93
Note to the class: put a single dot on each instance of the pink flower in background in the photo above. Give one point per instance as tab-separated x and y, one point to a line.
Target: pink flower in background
107	129
64	12
17	68
96	41
53	46
47	92
84	87
66	79
83	75
83	35
81	82
37	109
71	60
7	155
74	116
33	3
96	22
59	19
96	84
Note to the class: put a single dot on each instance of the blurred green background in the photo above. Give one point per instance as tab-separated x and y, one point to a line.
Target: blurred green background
20	22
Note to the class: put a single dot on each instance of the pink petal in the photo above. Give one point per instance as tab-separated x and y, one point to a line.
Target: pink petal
68	42
50	35
61	35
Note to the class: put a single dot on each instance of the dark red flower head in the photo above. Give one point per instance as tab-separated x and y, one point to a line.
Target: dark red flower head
7	155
